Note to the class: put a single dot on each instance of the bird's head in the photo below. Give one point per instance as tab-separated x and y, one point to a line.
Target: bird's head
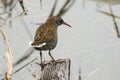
59	21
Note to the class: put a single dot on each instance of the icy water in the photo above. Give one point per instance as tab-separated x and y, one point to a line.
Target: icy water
91	43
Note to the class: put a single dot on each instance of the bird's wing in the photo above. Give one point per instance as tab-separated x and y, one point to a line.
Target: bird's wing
43	34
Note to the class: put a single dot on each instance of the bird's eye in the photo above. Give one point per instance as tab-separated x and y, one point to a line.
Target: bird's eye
60	20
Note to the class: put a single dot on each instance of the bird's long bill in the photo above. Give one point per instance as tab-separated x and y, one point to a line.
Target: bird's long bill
65	24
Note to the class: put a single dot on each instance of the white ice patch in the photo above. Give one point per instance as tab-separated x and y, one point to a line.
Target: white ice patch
36	45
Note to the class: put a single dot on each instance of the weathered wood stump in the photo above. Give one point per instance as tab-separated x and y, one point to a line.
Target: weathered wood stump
59	70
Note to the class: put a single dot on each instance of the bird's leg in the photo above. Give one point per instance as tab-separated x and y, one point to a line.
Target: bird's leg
41	64
51	56
41	56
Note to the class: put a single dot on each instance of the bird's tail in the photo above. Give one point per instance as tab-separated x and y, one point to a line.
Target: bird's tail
34	44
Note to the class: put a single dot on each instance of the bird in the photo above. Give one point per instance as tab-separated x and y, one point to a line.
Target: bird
46	35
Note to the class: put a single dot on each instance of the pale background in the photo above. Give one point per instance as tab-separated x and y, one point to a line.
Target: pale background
91	43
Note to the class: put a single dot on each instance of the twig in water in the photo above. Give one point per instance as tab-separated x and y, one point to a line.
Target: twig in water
41	3
114	20
24	66
69	66
79	76
2	18
115	23
53	9
7	76
84	3
28	53
22	5
9	52
68	4
109	14
26	28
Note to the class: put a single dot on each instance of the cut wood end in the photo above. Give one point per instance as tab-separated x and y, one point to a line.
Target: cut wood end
56	70
55	62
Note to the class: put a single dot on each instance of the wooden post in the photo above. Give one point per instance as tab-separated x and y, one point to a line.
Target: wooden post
59	70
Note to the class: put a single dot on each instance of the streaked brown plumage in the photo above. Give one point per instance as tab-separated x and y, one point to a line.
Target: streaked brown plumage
47	33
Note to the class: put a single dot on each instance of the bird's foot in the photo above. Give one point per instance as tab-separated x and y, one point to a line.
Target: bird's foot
58	61
53	60
42	65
